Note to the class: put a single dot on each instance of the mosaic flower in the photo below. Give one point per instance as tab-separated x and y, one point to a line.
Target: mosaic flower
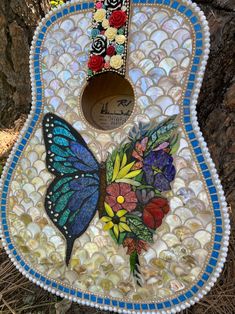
109	20
99	45
56	3
107	58
110	50
120	39
117	19
138	153
99	5
107	65
143	196
95	32
99	15
120	49
136	174
121	31
115	221
113	4
110	33
96	63
116	61
121	196
135	245
154	212
159	170
105	23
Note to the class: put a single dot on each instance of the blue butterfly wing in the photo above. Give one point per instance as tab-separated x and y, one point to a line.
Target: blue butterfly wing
67	152
72	197
71	203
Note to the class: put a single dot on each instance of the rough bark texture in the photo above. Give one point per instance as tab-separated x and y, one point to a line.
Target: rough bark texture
216	113
18	19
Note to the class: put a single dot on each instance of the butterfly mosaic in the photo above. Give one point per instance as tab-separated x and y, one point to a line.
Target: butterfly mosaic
127	190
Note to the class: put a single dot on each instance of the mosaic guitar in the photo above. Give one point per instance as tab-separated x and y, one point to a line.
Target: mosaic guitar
110	197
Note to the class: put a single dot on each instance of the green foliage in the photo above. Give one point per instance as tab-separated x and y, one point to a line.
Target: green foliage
162	134
139	177
139	229
109	169
175	143
133	261
121	237
134	267
138	131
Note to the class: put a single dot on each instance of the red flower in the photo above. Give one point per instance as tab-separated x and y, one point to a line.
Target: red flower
110	51
154	212
120	196
96	63
117	19
135	245
107	65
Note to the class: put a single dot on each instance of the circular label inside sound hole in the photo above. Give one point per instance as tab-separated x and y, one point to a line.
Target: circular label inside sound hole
111	112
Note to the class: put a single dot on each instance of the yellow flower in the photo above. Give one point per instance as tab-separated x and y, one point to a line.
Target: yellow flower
120	39
110	33
56	3
99	15
115	221
122	172
105	23
116	62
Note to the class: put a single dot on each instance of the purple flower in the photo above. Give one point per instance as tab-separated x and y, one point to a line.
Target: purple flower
143	196
159	170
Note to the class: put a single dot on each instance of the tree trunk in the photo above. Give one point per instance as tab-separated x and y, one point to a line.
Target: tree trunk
18	20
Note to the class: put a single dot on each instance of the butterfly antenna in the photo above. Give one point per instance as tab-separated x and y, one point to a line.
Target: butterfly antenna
69	249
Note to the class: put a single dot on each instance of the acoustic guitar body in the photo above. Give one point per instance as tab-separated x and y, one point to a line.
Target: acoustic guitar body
110	197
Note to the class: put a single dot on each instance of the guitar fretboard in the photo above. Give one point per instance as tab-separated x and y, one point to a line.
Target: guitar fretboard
109	36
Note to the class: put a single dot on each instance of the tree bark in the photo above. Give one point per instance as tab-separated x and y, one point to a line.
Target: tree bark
18	20
216	105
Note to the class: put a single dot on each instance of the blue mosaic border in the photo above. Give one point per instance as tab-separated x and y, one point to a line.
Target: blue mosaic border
212	264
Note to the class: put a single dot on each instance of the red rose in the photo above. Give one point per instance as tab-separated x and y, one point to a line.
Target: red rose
96	63
154	212
110	51
118	19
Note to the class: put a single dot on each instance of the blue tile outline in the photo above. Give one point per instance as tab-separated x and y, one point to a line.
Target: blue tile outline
71	8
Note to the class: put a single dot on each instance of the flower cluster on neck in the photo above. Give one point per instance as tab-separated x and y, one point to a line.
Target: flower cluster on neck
109	37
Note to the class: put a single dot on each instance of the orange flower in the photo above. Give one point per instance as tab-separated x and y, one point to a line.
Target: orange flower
135	245
138	153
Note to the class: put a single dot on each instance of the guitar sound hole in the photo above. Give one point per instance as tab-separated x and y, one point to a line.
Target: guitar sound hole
107	101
